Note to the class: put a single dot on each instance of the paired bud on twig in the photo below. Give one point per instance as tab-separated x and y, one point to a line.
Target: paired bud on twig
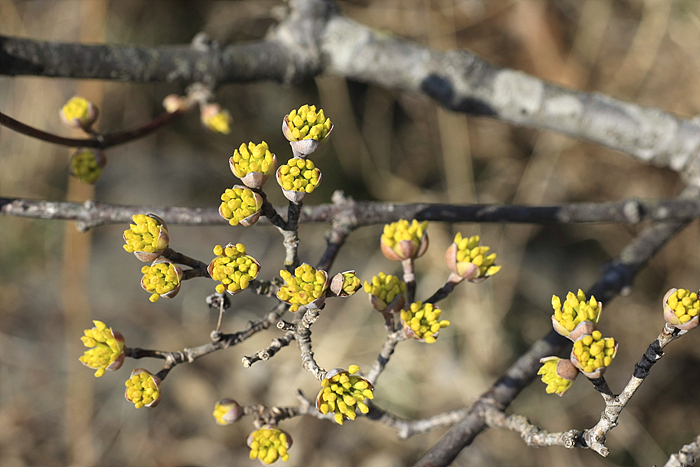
106	349
345	284
558	374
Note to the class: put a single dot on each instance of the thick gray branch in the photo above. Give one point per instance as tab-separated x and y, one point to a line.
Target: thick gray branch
315	38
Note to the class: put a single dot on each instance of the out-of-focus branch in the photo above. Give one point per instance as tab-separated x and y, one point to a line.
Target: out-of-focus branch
315	37
618	275
359	213
103	141
687	456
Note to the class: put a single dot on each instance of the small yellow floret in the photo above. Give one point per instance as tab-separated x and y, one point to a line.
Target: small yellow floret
594	351
160	279
142	389
576	309
252	158
469	251
299	175
219	122
555	383
239	203
344	393
105	345
685	305
423	321
86	166
307	123
233	268
401	230
385	287
145	234
305	286
268	445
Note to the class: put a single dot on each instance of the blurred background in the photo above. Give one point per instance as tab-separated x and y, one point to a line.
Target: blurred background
386	146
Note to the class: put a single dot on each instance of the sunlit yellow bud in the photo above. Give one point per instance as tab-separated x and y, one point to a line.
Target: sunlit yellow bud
342	391
233	268
161	279
681	308
147	237
421	321
141	381
307	287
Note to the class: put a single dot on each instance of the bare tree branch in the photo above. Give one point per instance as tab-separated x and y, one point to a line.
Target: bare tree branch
687	456
360	213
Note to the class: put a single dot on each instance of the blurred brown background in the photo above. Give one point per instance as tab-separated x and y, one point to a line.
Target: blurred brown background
386	146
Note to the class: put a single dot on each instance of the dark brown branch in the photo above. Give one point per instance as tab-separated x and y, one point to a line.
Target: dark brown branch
360	213
617	276
104	141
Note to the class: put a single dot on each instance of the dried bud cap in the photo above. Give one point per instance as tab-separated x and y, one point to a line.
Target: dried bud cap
233	268
216	120
227	411
161	279
681	308
558	374
467	260
86	164
147	238
422	322
401	240
306	129
386	293
268	444
343	392
345	284
143	389
298	177
593	354
307	287
253	164
106	349
578	316
239	205
174	103
79	113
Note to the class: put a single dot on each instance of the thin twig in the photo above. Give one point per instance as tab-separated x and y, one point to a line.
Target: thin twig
104	141
390	343
268	352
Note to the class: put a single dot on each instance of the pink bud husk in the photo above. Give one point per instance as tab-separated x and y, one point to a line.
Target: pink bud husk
304	147
581	329
337	282
671	318
380	305
234	413
408	249
179	272
254	179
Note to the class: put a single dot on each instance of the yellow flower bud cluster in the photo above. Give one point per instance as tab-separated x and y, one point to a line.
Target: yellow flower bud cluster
307	123
423	320
76	108
385	287
86	166
396	232
218	122
227	411
233	268
685	305
142	389
351	283
239	203
144	235
159	279
593	351
343	393
575	310
105	347
268	445
305	286
469	251
252	158
298	175
555	383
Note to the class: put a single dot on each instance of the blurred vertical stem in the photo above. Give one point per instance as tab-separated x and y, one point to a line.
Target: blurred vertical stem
79	392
